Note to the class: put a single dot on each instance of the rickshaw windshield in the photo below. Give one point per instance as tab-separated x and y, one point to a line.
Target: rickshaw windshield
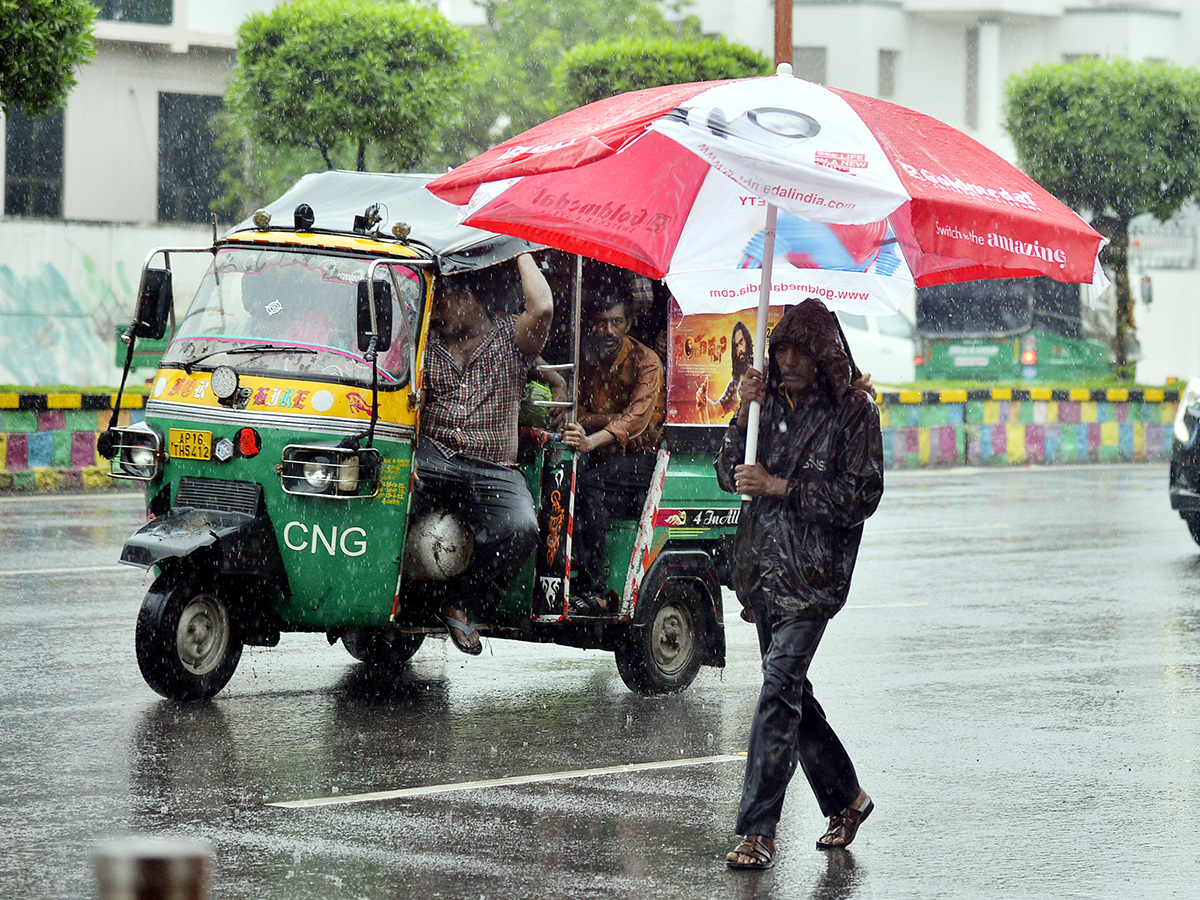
278	312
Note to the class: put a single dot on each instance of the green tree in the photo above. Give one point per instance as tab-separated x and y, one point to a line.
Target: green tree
512	86
342	82
592	72
1113	139
42	43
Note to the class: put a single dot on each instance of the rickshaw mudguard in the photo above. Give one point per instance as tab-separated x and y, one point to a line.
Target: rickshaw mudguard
237	543
698	567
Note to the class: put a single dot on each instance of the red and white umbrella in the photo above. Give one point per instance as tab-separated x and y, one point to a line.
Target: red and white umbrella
754	190
677	181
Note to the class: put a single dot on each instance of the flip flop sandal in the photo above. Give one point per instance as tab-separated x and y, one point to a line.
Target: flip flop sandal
589	605
756	847
466	629
844	826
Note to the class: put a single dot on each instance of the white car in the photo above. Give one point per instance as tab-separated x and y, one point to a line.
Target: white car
882	345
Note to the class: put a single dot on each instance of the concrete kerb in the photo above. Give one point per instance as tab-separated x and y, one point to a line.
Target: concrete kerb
48	440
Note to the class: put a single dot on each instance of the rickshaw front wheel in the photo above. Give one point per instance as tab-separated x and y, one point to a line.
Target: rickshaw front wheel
186	641
381	648
663	656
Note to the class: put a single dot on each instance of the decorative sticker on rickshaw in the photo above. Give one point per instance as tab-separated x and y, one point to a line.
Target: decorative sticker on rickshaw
393	482
705	517
709	353
272	395
552	563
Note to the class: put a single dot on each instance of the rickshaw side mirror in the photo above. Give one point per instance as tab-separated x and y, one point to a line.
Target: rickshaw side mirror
154	304
383	315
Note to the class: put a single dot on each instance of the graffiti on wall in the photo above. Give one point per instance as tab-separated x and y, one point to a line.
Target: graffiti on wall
51	334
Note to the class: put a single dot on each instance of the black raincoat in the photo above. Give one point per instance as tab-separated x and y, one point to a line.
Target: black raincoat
794	556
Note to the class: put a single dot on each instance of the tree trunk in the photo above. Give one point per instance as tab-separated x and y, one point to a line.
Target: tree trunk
1118	255
325	154
362	156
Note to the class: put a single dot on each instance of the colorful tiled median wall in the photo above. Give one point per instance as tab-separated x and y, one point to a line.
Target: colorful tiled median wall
48	441
1018	427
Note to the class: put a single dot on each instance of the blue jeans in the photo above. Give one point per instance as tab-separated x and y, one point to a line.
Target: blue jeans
789	728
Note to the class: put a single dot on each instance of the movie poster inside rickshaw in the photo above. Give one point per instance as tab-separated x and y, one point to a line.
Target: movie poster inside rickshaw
709	353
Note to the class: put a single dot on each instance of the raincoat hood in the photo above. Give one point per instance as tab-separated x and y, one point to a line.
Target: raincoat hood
810	326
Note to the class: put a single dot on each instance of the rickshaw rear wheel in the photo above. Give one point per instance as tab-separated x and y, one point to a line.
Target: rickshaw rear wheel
186	640
382	648
663	655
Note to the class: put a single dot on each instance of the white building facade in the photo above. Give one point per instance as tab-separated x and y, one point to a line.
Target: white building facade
132	146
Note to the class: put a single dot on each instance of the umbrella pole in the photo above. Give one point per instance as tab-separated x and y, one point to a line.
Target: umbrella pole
760	330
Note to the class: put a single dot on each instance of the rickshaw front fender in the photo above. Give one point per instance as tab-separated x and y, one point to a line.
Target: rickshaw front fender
233	543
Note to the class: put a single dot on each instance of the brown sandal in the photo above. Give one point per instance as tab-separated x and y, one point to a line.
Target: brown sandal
760	849
843	827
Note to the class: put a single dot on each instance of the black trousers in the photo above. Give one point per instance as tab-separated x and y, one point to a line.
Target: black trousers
613	486
789	727
496	505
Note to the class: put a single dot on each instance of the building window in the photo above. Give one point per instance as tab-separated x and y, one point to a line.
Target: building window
33	164
972	81
188	161
887	72
143	12
810	63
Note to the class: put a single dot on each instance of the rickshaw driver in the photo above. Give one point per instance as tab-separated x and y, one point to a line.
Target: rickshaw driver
622	405
476	368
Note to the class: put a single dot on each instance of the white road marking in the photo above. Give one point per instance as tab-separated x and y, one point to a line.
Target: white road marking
406	793
66	570
989	526
885	605
64	498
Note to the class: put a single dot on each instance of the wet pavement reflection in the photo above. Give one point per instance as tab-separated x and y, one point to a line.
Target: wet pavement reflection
1017	676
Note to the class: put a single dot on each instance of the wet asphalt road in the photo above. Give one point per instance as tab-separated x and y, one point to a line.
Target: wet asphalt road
1016	677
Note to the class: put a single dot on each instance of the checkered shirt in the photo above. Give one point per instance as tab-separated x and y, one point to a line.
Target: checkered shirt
474	411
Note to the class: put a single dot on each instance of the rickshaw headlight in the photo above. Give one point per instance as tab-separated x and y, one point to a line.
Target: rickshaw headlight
137	453
330	471
141	457
319	474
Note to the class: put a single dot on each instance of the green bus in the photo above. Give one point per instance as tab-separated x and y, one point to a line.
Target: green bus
1008	329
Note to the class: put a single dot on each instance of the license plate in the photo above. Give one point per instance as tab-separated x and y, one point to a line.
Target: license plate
182	444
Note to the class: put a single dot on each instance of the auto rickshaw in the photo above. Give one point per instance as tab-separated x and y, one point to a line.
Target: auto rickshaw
277	450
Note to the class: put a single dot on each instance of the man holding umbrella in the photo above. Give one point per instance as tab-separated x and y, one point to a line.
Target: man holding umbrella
819	476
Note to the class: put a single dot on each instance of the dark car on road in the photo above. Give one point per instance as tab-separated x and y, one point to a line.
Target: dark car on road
1185	459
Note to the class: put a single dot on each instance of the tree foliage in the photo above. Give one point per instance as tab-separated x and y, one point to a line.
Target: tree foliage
592	72
512	86
351	81
42	43
1114	139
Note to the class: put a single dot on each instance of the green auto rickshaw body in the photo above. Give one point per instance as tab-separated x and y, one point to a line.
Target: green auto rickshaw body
278	462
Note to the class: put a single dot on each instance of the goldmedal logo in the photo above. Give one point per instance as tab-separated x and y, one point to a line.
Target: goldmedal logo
625	218
533	149
1021	199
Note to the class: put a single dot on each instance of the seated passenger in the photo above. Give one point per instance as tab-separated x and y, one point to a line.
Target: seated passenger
622	404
